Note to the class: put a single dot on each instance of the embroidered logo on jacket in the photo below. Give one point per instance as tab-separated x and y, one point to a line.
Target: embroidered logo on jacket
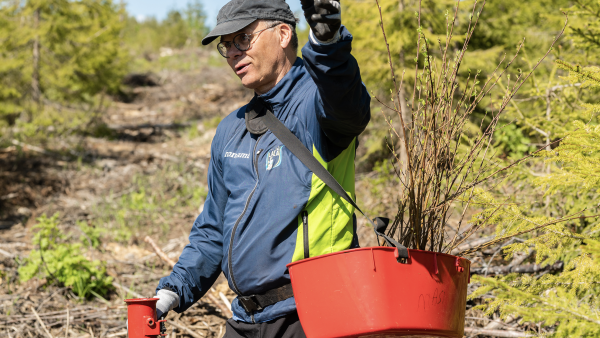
236	155
274	158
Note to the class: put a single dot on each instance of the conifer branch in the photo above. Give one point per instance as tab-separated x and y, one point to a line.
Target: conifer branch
501	239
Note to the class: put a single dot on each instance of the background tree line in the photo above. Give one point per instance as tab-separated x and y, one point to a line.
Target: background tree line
60	58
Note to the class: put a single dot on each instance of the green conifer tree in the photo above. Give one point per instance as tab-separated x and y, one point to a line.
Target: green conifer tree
57	52
568	302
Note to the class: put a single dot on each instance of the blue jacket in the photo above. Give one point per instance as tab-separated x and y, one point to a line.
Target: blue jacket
263	201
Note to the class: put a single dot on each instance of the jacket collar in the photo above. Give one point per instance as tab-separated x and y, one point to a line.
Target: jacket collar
275	100
283	91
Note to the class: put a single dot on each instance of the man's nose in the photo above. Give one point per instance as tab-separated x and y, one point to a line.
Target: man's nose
233	52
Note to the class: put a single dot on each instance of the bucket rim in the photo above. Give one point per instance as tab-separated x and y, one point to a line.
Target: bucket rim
140	300
370	248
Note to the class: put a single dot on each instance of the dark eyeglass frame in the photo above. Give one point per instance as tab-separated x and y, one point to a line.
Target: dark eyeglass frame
223	44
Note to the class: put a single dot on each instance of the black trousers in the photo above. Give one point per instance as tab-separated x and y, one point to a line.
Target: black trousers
283	327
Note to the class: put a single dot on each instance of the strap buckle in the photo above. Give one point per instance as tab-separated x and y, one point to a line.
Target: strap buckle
249	303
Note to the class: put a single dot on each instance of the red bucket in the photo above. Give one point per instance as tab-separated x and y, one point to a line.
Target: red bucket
367	292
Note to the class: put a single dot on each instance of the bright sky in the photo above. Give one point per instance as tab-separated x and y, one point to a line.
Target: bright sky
159	8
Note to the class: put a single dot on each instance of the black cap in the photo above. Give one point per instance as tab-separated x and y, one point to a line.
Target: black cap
237	14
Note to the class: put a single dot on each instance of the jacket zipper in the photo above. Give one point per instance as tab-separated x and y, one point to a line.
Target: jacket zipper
255	164
305	231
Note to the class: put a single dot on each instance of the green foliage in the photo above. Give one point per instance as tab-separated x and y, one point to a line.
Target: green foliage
213	122
177	30
79	52
569	301
585	32
502	25
173	191
550	201
92	235
511	141
63	262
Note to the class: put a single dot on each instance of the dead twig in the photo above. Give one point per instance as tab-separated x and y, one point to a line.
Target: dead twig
68	324
471	244
127	290
225	300
7	254
186	329
159	252
495	241
41	322
219	305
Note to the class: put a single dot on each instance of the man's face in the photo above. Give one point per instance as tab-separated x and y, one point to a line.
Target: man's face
258	67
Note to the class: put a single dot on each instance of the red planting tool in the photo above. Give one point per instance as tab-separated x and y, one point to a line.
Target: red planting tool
141	318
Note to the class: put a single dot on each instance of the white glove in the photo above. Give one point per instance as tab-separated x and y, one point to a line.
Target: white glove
167	301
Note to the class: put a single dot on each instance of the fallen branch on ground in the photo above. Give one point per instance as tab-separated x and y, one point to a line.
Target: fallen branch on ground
41	322
159	252
525	268
186	329
127	290
497	333
226	312
85	313
148	125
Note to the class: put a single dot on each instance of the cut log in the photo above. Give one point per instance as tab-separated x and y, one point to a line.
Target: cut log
525	268
472	244
148	125
497	333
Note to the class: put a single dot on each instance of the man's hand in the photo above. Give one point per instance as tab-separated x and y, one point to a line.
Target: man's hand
323	16
167	301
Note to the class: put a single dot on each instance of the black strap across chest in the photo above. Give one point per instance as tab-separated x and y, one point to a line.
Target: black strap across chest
310	161
259	119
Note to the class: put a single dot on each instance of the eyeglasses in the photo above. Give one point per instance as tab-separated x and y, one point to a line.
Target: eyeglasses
242	42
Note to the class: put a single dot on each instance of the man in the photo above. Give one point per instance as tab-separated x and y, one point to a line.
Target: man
264	208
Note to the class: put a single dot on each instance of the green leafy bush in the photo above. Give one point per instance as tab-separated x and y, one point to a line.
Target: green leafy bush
62	262
512	142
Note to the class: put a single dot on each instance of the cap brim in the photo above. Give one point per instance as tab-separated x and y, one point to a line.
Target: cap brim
227	28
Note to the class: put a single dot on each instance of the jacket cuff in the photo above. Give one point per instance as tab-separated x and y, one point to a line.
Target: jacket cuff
316	41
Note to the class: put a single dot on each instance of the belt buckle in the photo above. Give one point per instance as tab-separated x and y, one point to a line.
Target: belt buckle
249	303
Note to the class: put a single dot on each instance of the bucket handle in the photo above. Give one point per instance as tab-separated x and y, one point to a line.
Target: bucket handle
381	224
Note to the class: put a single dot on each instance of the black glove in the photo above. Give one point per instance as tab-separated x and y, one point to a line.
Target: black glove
323	16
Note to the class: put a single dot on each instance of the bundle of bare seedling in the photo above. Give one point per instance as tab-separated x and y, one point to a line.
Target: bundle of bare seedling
439	165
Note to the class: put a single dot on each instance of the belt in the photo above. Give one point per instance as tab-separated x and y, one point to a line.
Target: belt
260	301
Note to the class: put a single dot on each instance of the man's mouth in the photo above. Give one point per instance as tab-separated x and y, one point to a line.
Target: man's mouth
242	68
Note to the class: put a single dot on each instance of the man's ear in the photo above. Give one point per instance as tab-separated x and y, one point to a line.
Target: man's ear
285	35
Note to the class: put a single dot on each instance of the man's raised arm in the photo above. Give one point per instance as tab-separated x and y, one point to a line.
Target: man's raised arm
343	103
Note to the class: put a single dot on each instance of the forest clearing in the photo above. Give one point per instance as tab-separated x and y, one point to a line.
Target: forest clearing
490	151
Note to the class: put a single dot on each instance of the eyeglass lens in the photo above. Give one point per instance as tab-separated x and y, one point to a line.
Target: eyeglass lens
240	41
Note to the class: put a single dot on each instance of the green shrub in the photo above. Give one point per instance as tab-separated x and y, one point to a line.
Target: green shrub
62	262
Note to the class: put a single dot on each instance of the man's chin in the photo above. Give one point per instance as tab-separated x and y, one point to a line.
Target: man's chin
248	82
